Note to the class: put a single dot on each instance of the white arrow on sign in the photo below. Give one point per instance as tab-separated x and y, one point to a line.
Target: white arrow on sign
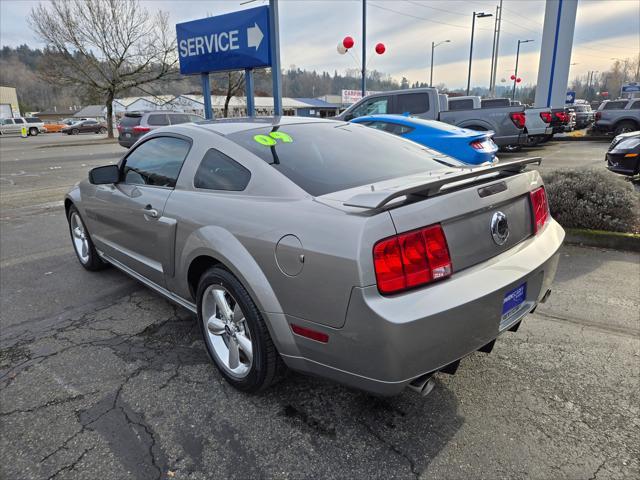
254	36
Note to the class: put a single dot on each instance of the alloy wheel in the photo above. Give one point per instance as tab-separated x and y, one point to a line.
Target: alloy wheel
227	331
80	240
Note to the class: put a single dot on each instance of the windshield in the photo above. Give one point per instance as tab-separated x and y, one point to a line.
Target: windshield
323	158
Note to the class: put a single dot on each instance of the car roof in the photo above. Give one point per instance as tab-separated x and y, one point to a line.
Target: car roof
227	126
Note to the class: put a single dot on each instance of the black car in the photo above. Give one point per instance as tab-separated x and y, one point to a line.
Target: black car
623	156
85	126
135	124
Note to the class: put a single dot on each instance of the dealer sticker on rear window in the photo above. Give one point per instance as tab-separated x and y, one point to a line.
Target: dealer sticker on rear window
273	138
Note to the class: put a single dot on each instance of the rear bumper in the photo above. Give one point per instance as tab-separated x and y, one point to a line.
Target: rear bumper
126	142
387	342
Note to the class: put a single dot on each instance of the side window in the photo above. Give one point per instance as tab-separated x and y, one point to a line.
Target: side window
18	120
377	125
398	129
635	105
219	172
195	118
158	119
412	103
614	105
178	118
156	162
373	106
7	121
90	122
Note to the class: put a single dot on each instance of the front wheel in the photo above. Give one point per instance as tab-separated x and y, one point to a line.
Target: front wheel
75	131
33	131
82	244
102	130
235	334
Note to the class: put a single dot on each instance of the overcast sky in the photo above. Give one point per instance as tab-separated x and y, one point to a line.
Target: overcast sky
311	29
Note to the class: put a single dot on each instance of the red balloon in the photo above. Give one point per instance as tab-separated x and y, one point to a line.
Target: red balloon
518	80
513	77
380	48
347	42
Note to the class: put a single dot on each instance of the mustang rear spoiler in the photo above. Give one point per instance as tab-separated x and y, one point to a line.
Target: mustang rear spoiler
379	198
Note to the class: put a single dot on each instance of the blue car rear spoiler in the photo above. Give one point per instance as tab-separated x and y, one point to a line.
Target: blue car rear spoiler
379	198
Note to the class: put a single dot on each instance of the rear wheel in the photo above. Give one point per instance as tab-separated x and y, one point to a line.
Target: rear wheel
235	334
624	127
82	244
102	130
33	131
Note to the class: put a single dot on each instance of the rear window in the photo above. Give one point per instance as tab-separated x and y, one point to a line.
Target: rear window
130	121
324	158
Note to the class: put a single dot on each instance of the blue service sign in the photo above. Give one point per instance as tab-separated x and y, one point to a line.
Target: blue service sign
233	41
571	97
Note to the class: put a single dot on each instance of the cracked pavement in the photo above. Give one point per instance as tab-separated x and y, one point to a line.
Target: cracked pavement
102	378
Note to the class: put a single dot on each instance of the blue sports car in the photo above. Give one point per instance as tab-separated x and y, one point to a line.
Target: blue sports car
469	146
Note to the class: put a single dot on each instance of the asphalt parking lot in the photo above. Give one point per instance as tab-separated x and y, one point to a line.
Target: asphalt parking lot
101	378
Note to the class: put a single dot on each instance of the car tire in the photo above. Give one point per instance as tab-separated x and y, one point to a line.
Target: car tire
75	131
256	363
81	241
533	141
624	127
102	131
33	131
511	148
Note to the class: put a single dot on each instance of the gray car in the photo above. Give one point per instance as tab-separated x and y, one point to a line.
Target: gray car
331	248
136	124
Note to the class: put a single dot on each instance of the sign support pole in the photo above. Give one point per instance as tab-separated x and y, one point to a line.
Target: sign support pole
274	42
364	48
248	87
206	94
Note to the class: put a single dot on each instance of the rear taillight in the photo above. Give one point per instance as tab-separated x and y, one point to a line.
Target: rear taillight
411	259
562	116
540	208
519	119
598	115
546	117
139	129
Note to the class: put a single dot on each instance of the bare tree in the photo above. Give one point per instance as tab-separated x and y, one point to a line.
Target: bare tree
105	46
235	84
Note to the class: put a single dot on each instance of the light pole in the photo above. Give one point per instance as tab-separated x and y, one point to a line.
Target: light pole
364	48
433	46
473	27
513	95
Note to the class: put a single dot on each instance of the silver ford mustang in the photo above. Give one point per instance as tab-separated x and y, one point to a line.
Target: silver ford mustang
332	248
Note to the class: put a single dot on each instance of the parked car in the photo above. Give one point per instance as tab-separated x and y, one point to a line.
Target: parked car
538	126
35	126
307	243
618	116
584	115
623	156
55	127
85	126
469	146
135	124
507	122
15	125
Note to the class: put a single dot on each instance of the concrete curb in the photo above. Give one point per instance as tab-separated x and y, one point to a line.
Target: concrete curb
603	239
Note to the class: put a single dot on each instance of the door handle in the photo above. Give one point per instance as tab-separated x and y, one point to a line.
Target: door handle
149	211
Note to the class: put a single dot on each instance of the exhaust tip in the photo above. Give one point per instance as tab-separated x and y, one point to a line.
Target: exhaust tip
423	385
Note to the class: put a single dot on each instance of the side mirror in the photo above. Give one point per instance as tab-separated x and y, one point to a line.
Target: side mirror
104	175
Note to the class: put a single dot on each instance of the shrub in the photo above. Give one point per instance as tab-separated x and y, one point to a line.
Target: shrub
593	199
